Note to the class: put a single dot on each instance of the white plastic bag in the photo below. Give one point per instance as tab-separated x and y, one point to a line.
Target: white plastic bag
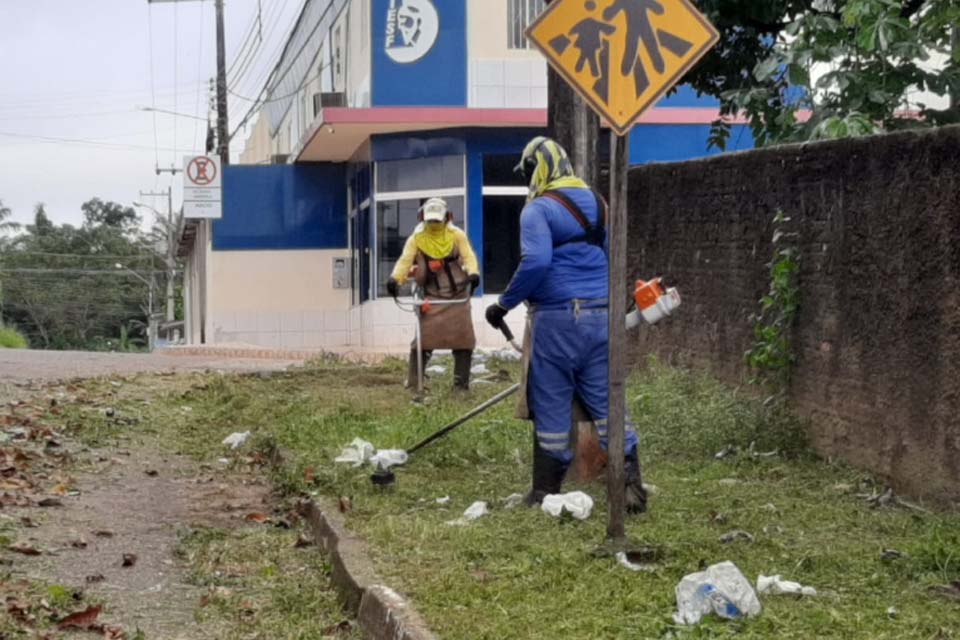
577	503
356	453
474	511
721	589
236	440
775	585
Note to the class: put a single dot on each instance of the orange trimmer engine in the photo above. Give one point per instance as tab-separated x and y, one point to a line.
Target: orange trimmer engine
654	303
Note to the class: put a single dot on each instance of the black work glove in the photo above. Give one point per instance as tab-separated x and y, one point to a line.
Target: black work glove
393	288
474	282
495	315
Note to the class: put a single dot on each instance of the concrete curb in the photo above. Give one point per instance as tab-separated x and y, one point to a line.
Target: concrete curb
381	612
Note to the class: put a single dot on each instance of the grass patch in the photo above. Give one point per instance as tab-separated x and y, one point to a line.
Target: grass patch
520	574
261	586
10	338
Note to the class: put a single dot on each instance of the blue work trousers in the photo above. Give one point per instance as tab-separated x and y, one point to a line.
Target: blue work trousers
569	360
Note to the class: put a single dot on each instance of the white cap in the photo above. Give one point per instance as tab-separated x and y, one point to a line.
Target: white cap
435	210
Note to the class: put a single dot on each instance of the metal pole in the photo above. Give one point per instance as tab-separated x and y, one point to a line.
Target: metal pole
617	335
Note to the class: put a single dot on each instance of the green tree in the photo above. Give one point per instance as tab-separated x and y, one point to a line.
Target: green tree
61	285
852	64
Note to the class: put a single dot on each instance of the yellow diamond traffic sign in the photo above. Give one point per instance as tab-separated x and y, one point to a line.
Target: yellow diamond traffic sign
622	55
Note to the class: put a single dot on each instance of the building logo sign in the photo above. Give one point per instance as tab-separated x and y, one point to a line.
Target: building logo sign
412	29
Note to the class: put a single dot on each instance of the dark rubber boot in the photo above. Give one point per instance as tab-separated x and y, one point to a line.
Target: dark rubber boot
548	475
636	495
412	369
462	361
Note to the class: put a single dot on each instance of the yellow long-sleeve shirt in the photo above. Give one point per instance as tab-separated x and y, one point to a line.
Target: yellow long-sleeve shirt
460	241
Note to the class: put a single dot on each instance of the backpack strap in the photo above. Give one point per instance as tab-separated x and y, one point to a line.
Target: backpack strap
594	235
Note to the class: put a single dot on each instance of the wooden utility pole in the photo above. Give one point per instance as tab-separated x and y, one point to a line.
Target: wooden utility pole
616	402
572	123
223	132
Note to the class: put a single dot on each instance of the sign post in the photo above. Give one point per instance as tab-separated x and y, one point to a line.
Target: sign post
202	187
622	56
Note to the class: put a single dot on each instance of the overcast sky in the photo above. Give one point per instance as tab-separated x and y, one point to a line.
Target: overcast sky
73	74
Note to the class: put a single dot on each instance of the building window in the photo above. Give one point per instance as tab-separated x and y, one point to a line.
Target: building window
402	186
396	220
520	15
504	195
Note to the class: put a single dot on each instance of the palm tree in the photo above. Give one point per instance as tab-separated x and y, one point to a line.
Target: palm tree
7	225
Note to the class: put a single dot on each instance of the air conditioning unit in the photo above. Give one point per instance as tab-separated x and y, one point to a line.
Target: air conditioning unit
280	158
321	100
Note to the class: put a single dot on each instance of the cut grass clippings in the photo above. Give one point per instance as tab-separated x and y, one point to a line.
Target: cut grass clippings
521	574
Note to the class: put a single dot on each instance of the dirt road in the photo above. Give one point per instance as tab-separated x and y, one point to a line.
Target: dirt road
20	366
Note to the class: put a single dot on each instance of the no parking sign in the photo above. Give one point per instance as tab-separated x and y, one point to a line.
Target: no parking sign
202	191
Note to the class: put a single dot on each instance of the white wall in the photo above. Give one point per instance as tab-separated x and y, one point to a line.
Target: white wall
278	299
500	77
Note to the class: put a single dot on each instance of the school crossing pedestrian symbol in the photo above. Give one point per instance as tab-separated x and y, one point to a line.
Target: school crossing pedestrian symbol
622	55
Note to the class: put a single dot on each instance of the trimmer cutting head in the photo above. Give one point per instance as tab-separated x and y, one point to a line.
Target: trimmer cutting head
383	478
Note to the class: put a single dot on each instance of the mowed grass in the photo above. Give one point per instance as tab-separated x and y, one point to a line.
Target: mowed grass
521	574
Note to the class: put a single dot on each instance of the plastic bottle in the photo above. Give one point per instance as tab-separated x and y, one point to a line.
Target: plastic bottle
707	597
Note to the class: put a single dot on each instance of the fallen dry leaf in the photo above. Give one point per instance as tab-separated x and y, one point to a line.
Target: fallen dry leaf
152	473
308	475
103	533
257	517
129	559
50	502
82	619
20	611
60	489
346	504
114	632
79	543
25	549
95	578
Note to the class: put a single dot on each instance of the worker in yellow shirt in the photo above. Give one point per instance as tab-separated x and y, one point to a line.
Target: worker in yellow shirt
445	269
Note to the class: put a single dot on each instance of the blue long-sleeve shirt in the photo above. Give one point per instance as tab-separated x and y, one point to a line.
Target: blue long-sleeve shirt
552	276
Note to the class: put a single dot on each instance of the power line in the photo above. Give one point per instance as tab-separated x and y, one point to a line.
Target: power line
176	71
153	93
196	107
53	139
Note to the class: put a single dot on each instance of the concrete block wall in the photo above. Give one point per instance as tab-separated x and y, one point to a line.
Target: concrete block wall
878	332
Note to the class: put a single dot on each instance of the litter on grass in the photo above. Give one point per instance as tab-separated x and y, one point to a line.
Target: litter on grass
775	585
576	503
513	500
633	566
443	500
722	589
236	440
437	370
474	511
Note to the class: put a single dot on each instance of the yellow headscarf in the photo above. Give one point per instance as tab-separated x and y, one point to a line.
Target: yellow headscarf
553	167
435	240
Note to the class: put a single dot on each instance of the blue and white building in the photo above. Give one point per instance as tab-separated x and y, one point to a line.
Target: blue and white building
375	106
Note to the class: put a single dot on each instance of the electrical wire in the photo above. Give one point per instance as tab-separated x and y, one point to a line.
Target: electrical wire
176	71
196	108
153	93
54	139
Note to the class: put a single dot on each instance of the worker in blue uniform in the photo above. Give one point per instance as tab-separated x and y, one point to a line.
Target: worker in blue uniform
563	278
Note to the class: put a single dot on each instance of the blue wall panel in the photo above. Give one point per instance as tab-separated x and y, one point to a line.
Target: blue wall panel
300	206
430	69
675	142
